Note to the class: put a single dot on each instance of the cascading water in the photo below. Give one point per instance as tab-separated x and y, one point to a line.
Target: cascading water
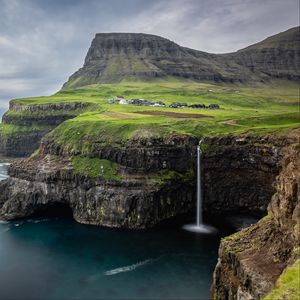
199	192
3	170
199	227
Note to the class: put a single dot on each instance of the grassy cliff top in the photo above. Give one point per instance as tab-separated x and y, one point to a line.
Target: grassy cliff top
259	109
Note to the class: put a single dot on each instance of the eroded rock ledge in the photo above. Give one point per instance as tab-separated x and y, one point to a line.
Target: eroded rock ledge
155	180
143	193
28	124
250	261
68	106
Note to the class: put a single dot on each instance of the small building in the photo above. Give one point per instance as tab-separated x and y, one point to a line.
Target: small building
114	100
159	104
123	101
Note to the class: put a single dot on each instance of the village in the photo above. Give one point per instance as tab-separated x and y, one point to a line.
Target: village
144	102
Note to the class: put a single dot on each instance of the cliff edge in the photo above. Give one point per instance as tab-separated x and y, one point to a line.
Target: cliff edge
252	260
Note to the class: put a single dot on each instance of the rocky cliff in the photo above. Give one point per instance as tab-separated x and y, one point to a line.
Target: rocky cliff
147	187
25	125
239	172
113	57
251	261
154	179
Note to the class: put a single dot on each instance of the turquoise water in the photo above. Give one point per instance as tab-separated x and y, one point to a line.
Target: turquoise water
57	258
60	259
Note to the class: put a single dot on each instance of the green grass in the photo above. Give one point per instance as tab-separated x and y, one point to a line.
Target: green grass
259	109
281	93
95	167
165	176
12	131
288	284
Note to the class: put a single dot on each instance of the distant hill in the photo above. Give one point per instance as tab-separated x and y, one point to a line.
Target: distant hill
277	56
113	57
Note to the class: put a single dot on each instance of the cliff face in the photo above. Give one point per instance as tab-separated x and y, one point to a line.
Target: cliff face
116	56
133	202
250	261
142	194
28	124
155	180
20	144
239	172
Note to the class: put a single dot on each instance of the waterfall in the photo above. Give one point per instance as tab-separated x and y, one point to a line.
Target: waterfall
3	170
199	227
199	190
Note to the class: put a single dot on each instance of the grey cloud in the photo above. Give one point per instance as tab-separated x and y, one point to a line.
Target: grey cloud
42	42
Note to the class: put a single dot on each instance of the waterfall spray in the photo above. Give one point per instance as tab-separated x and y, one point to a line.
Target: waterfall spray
199	227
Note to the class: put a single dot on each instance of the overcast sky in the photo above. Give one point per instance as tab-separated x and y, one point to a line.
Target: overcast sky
42	42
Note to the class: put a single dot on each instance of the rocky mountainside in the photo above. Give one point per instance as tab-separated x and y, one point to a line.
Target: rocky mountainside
251	261
116	56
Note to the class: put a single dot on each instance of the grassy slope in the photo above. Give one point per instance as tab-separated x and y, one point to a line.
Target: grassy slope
95	167
259	109
15	131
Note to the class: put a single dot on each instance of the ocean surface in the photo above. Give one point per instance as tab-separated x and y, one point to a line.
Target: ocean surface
57	258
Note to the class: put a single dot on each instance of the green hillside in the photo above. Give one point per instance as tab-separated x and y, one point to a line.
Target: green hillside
259	110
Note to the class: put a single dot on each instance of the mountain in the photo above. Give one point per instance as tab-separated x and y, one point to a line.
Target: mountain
113	57
276	56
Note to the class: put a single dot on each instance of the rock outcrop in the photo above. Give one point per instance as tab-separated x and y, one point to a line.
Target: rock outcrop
143	194
250	261
28	124
156	180
21	144
239	172
113	57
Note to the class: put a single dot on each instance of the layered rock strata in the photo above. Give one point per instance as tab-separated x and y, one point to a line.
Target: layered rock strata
28	124
250	261
113	57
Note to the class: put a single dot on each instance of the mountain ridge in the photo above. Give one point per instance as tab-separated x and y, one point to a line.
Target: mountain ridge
113	57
